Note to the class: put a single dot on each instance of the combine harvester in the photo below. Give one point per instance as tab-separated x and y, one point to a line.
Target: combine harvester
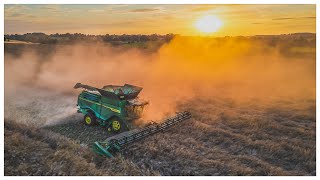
112	107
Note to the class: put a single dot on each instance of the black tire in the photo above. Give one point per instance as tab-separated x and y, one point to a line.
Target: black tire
118	126
89	119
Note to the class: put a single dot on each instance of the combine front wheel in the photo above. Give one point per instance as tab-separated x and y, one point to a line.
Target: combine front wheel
117	125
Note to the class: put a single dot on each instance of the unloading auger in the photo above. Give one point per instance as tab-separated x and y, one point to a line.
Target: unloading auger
117	143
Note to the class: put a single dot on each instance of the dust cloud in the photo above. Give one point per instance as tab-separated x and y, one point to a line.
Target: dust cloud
39	90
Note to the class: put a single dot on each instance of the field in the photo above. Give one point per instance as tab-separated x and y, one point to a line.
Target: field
234	130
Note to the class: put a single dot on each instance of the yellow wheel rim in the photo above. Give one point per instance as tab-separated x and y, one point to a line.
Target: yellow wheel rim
116	125
88	120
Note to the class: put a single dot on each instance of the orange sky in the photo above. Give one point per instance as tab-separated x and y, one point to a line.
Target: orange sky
160	19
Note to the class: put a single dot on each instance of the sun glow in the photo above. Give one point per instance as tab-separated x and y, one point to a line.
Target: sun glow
208	24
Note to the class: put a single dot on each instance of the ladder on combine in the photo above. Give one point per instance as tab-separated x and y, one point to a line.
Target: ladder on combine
115	143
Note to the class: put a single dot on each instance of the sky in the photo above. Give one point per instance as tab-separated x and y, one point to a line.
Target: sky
160	19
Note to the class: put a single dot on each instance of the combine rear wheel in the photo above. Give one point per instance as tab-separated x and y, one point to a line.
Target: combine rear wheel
89	119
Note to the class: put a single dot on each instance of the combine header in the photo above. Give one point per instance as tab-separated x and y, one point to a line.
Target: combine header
116	143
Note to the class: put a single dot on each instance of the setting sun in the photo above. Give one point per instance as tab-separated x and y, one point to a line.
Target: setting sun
208	24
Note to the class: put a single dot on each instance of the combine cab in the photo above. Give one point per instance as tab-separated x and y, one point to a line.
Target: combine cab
110	106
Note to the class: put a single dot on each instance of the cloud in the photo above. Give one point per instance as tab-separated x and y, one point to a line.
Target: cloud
96	11
276	19
24	12
49	8
203	8
292	18
113	24
16	15
31	16
145	10
12	11
312	17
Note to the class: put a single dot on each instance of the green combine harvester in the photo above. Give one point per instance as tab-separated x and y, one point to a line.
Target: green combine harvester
112	107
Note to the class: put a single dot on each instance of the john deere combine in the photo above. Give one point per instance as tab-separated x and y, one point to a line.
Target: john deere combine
112	107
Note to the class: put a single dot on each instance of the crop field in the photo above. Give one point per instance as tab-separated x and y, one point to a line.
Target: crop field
245	121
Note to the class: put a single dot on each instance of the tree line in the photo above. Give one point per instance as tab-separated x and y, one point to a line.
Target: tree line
79	37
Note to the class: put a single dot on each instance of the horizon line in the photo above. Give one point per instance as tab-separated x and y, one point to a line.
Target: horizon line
164	34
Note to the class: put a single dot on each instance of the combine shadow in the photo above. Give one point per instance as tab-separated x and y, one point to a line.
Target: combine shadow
74	128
